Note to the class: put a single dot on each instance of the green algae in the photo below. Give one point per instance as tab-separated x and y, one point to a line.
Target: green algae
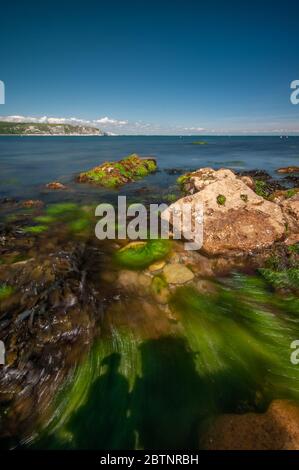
281	269
291	192
95	397
141	255
171	197
181	180
285	279
35	229
80	225
77	218
261	188
236	335
230	354
121	397
6	291
199	142
66	215
61	208
221	199
114	174
158	284
151	165
45	219
294	248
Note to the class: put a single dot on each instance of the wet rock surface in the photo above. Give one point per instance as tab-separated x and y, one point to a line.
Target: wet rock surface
115	174
177	274
56	185
288	169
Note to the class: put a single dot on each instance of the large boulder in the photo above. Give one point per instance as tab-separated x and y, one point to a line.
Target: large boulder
277	429
235	218
115	174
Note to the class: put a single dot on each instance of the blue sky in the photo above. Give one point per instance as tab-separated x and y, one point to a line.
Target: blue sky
153	67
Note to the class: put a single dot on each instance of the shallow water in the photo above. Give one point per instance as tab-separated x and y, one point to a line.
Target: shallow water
155	375
139	389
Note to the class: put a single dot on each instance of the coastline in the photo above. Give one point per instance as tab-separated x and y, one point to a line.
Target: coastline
53	135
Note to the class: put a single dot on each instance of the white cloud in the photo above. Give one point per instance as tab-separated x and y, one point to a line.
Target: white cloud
108	124
106	120
45	119
197	129
236	125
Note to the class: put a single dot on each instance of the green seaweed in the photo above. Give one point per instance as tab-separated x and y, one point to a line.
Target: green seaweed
171	197
142	255
235	332
221	199
230	354
6	291
291	192
158	284
181	180
114	174
294	248
151	165
35	229
141	171
261	188
80	225
45	219
61	208
285	279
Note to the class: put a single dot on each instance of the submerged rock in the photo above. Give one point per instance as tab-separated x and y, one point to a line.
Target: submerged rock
114	174
157	266
206	287
32	203
292	180
288	169
55	185
277	429
133	280
46	322
176	273
160	290
236	219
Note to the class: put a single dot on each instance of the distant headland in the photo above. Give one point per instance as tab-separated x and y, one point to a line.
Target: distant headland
45	129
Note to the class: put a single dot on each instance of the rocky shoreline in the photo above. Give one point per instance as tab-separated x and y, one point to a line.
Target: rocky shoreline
58	282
